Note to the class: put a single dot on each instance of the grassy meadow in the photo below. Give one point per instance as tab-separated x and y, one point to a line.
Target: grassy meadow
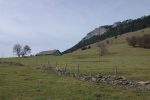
29	83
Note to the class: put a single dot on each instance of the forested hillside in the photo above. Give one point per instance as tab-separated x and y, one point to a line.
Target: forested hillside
116	29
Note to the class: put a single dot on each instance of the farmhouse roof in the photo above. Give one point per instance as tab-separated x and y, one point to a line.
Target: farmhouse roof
49	52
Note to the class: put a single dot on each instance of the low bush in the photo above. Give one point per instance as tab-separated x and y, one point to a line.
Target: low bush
139	41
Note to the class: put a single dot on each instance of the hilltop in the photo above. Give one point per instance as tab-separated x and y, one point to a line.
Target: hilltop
118	28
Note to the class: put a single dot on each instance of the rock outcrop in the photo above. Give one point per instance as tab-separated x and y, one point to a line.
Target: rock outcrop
97	31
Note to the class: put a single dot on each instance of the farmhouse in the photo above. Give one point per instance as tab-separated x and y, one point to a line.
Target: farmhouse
50	52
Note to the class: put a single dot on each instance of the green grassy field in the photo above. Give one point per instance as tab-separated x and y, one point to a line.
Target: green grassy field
29	83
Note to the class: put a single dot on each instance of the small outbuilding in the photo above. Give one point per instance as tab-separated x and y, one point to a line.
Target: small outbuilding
50	52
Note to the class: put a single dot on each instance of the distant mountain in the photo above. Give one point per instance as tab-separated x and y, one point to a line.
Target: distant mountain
118	28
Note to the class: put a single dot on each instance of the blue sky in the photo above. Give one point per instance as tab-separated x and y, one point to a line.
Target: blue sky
59	24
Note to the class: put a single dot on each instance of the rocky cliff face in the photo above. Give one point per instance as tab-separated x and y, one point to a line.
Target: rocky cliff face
103	29
97	31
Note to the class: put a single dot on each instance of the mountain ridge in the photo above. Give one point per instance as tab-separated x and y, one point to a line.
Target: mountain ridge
118	28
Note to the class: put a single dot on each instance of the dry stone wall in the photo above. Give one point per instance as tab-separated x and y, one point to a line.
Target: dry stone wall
110	79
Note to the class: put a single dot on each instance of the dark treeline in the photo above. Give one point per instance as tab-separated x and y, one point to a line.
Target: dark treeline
121	28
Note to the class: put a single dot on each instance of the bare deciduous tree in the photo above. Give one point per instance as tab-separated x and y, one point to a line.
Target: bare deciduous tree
101	49
26	50
132	41
17	49
139	41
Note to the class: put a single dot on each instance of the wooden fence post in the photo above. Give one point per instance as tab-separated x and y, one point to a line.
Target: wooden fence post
78	69
48	63
116	71
66	68
56	64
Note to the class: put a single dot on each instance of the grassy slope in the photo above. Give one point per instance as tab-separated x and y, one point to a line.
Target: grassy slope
131	62
29	83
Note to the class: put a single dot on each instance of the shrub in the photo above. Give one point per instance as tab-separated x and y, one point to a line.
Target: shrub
107	42
83	48
102	49
145	41
89	47
132	41
141	41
